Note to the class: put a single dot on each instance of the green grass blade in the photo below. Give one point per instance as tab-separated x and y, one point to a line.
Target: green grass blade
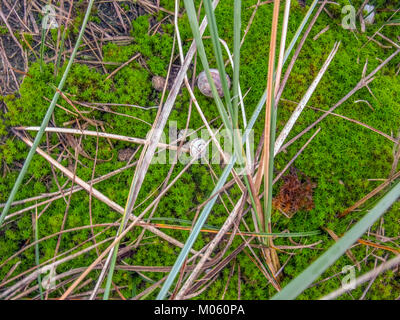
212	25
194	25
62	43
236	59
301	282
37	261
46	118
42	47
43	38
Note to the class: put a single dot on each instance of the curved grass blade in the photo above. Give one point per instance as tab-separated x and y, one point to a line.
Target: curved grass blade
301	282
46	118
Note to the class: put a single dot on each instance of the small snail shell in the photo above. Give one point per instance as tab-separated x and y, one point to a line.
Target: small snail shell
125	154
205	87
158	83
197	148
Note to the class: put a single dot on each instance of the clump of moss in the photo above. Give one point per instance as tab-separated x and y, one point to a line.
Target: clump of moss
156	49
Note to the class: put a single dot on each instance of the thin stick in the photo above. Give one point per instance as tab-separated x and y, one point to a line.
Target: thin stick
295	157
370	195
270	255
123	65
102	135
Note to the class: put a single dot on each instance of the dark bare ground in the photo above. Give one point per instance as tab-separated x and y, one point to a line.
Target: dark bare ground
20	33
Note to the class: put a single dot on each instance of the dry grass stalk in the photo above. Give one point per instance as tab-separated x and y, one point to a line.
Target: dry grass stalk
269	254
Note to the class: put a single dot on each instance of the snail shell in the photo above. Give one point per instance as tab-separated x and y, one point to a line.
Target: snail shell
197	148
125	154
205	87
